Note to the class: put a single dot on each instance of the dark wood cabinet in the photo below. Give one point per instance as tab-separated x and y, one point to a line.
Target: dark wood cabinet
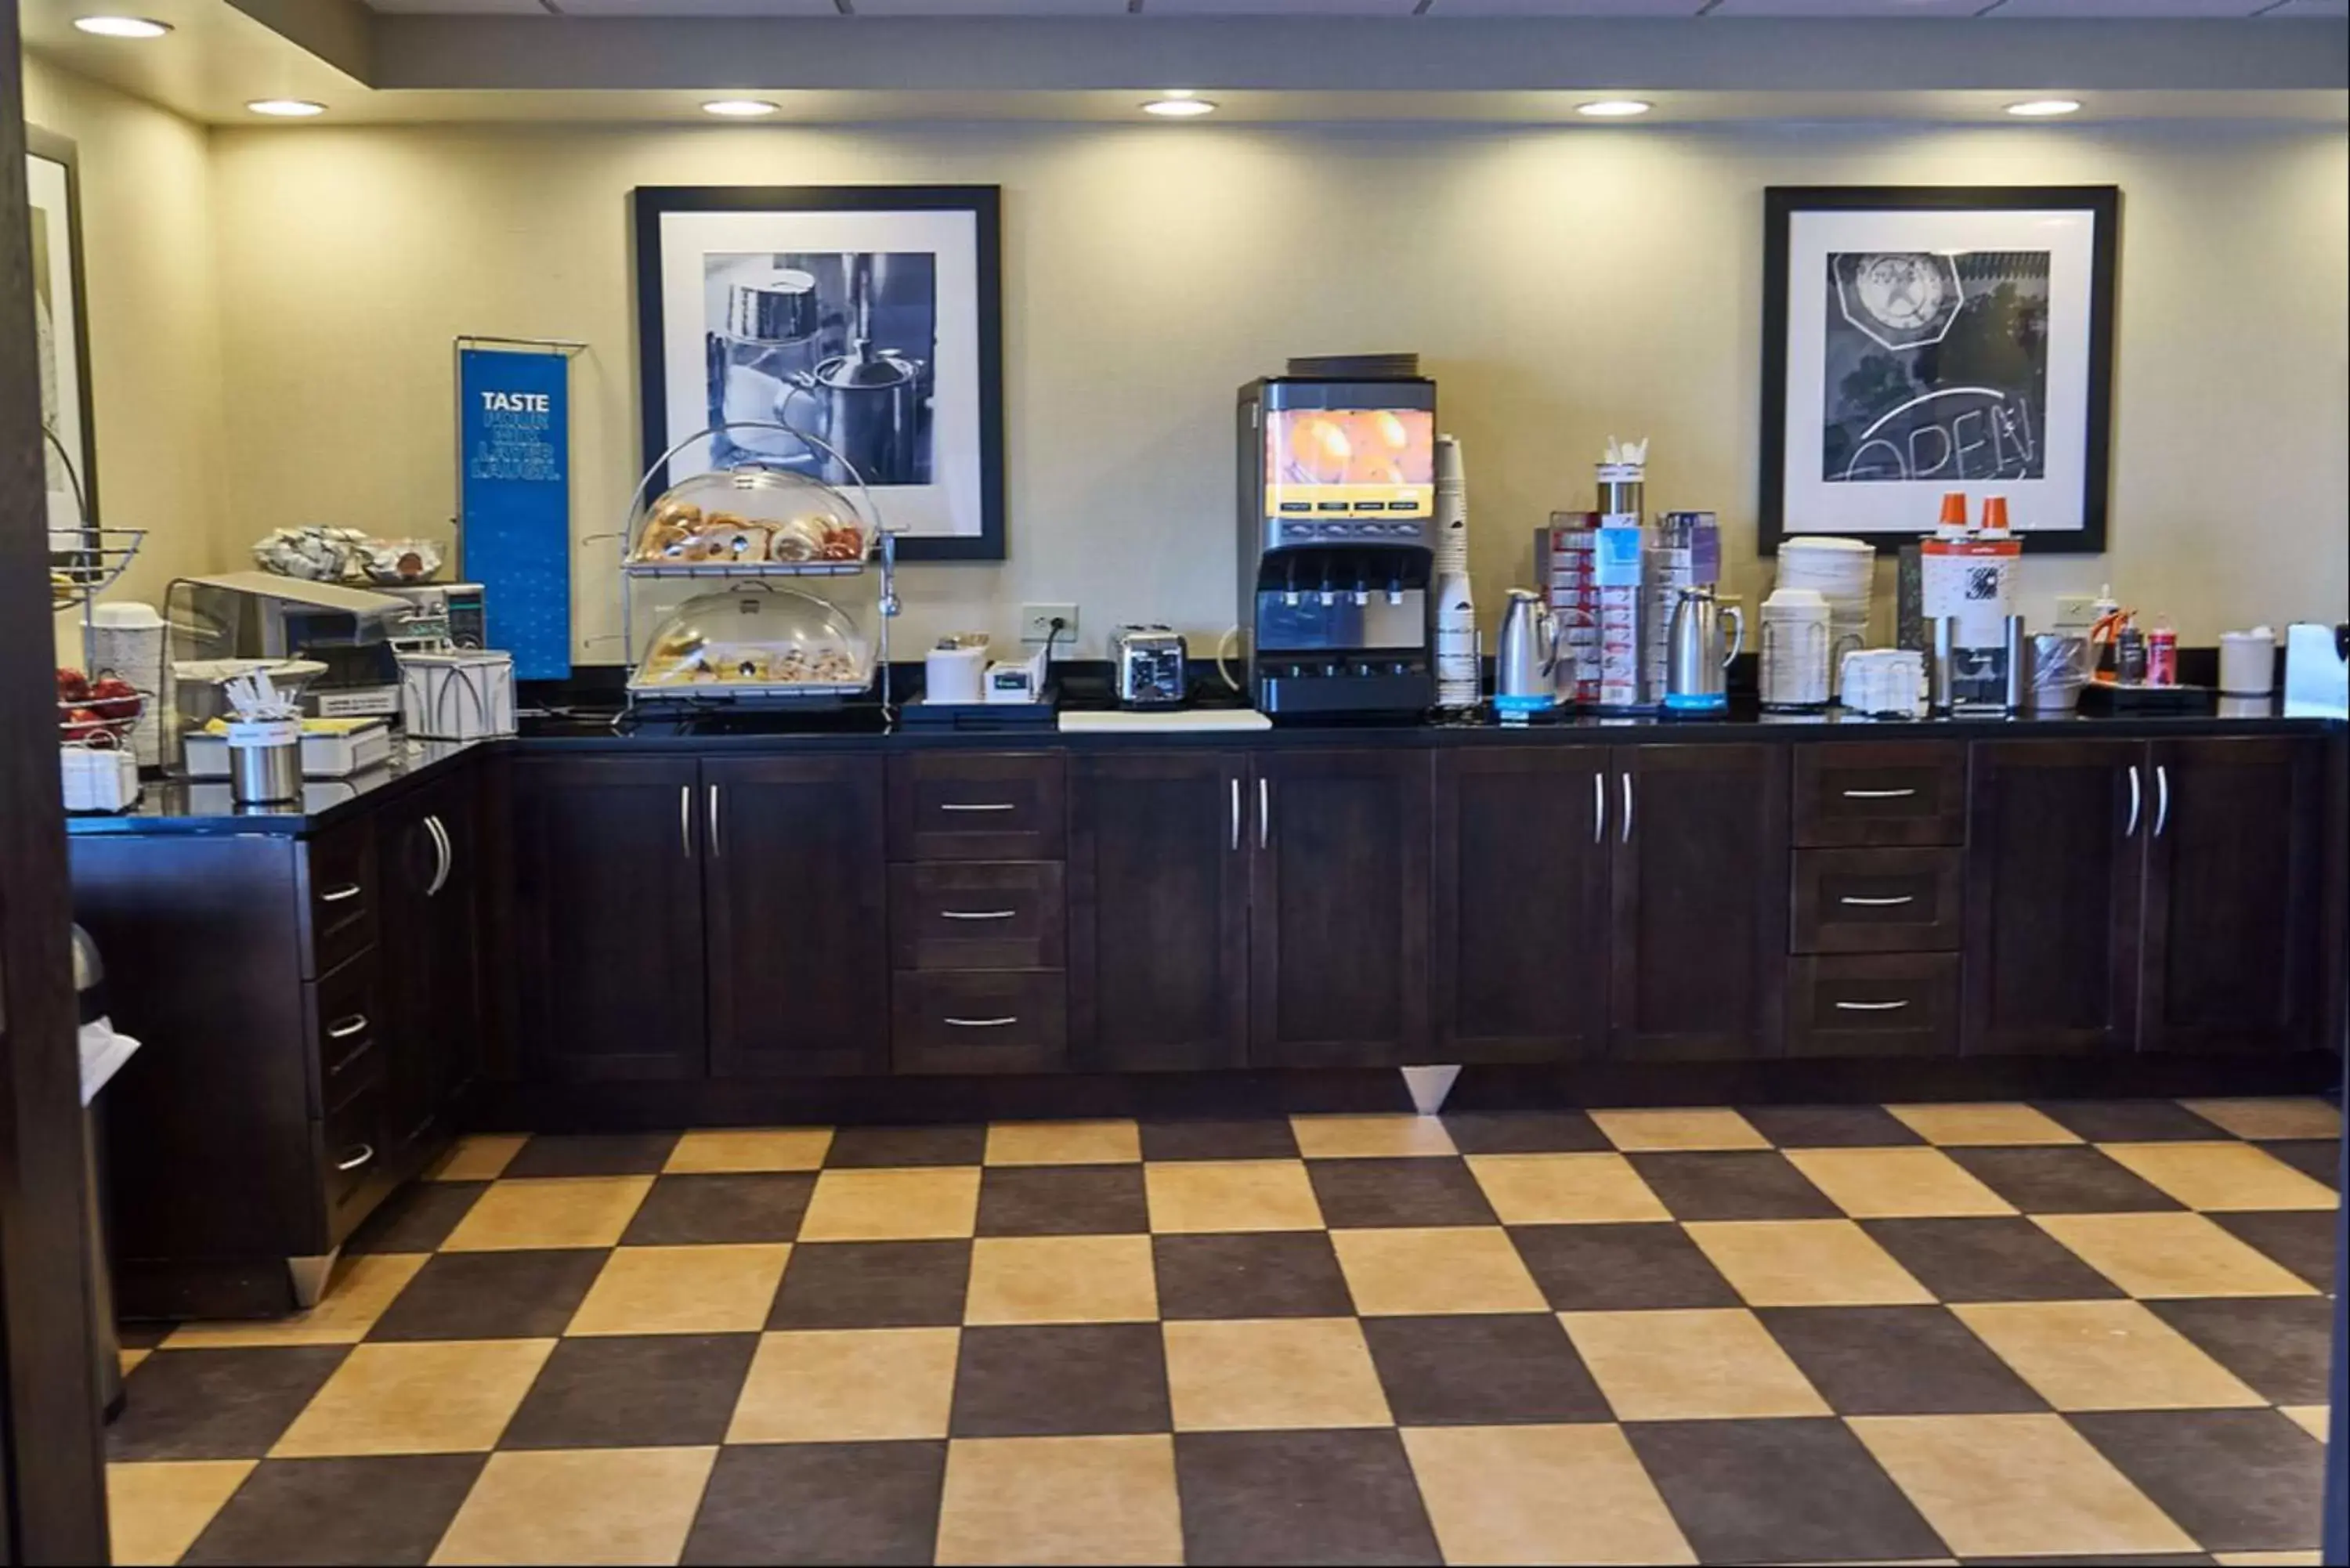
1159	909
2232	853
1520	922
429	852
608	949
1338	907
1699	895
795	886
2055	882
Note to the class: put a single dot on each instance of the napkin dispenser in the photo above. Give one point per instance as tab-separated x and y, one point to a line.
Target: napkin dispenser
2317	670
457	696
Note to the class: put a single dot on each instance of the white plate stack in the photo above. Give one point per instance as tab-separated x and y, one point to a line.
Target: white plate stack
1841	571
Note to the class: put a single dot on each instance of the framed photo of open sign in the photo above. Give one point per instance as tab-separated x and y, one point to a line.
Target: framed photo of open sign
1920	339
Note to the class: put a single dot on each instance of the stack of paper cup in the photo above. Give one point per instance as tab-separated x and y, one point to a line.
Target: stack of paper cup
1840	571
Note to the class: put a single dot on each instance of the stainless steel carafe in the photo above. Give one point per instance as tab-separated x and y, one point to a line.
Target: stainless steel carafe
1528	657
1695	659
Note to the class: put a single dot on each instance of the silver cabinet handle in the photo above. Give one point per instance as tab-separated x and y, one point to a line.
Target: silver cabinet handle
1264	813
1878	794
1236	812
977	914
366	1153
2161	798
337	895
685	820
343	1065
354	1025
980	1022
1888	902
1598	805
977	806
714	848
444	856
2135	800
1627	825
1871	1006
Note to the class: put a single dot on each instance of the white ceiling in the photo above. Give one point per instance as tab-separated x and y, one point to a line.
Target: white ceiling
2117	10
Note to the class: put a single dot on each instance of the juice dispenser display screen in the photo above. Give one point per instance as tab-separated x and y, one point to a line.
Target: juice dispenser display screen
1329	461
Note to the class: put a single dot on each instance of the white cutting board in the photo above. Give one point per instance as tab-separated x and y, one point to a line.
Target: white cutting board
1172	719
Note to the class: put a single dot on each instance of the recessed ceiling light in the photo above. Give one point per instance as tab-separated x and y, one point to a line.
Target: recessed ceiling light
286	107
1614	108
739	108
2044	108
123	26
1180	106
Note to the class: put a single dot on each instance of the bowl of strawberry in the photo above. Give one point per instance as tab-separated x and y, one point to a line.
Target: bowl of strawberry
98	712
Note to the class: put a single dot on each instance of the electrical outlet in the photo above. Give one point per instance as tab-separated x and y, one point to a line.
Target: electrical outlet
1037	624
2075	609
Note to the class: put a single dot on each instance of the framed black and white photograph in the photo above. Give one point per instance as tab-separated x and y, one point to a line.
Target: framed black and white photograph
869	317
61	330
1920	339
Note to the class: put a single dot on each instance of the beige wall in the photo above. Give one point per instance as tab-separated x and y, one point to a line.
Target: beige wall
154	350
1561	283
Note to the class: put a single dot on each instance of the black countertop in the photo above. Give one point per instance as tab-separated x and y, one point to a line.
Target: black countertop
179	806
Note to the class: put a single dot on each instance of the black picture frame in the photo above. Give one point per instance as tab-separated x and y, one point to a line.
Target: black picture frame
2102	203
51	148
649	203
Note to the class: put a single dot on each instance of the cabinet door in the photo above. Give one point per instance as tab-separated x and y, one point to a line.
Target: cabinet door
797	894
2054	878
2232	895
1158	910
608	931
1338	907
1699	895
427	853
1521	917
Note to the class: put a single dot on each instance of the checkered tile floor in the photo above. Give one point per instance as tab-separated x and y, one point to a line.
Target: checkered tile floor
1655	1336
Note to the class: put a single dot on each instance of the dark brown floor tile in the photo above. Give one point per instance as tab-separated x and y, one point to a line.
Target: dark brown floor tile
873	1284
1779	1491
492	1295
1062	1201
593	1154
2067	1179
2128	1121
822	1503
2320	1157
1525	1132
1281	1273
1481	1371
1359	1194
865	1148
142	1335
1989	1259
2103	1560
2282	1345
696	1210
633	1391
1620	1268
1898	1360
1260	1138
1830	1126
1734	1184
216	1404
416	1219
1095	1378
1300	1498
390	1509
2236	1480
2302	1240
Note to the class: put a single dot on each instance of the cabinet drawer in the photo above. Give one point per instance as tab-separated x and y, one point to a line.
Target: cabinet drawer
1876	900
1896	1004
976	805
980	1021
946	915
352	1153
347	1017
1898	793
342	896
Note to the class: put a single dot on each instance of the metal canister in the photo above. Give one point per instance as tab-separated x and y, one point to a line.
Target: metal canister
2019	664
265	770
1943	629
1623	492
2129	657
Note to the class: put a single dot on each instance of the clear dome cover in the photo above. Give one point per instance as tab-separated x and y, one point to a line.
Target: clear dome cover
757	635
750	517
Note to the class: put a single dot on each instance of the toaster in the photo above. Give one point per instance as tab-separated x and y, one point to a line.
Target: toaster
1149	667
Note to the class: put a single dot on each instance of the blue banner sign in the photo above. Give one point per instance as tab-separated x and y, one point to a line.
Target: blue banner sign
514	424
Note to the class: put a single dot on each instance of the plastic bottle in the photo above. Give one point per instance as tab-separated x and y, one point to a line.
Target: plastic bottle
1458	686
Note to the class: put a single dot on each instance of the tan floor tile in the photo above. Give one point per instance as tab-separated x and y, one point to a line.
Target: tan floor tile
2003	1486
2158	1255
1565	1188
2271	1118
1441	1269
2311	1557
1369	1137
728	1151
580	1505
2104	1356
1060	1500
2222	1177
931	1203
1062	1279
1541	1494
1986	1123
155	1511
1265	1374
837	1386
1064	1143
1897	1183
127	1359
564	1211
477	1156
1806	1262
356	1295
1706	1364
2310	1418
451	1396
1634	1131
682	1290
1231	1195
